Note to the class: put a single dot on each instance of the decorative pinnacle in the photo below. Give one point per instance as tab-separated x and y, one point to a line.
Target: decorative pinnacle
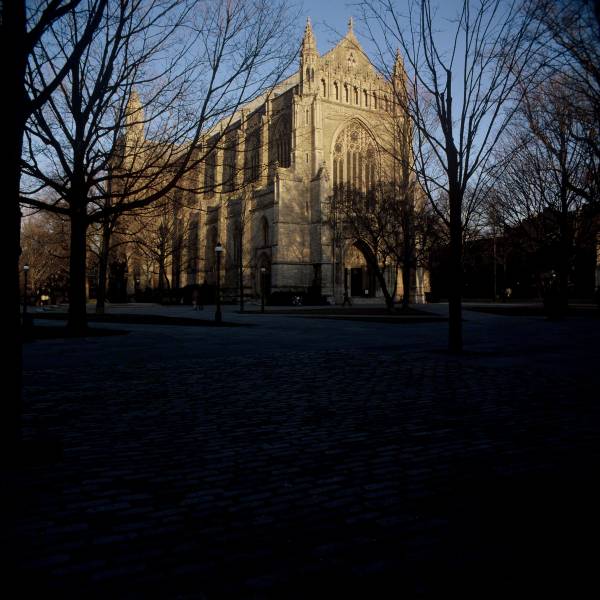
308	41
350	25
134	111
133	103
398	64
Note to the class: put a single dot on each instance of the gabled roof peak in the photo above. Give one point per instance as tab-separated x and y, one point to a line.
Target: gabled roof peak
350	33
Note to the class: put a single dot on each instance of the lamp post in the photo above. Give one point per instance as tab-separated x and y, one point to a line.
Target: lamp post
25	272
263	273
218	251
346	295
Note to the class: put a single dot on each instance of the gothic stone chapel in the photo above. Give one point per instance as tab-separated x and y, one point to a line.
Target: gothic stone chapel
267	186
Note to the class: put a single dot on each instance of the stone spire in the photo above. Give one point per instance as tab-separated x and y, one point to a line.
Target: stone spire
308	60
134	117
309	44
399	85
399	78
398	72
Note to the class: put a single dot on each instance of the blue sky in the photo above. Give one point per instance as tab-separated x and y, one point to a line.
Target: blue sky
330	19
328	16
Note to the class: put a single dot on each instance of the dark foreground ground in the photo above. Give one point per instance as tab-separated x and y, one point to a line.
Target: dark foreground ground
311	458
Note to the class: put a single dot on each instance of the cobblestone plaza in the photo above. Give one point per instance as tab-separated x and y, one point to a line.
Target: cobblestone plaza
305	457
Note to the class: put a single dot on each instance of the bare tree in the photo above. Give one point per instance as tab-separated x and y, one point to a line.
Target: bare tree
22	29
156	236
241	260
396	230
101	149
543	177
45	248
108	239
366	218
572	49
412	232
460	99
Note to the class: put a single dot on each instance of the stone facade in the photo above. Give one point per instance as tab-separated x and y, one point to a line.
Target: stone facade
268	182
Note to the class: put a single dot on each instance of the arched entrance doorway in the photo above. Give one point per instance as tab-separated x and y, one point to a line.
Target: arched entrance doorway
359	278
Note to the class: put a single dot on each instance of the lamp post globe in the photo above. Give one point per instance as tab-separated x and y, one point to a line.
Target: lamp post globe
218	252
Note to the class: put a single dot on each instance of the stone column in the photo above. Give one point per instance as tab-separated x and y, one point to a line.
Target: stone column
317	135
240	149
264	145
296	121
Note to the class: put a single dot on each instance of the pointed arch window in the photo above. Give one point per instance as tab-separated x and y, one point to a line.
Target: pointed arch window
324	88
229	160
281	145
336	88
264	231
209	174
253	157
354	158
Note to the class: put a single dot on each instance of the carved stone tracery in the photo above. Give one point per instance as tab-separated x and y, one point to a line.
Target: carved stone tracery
355	158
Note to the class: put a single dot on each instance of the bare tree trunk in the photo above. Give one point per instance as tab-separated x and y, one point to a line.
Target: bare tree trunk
389	299
162	276
564	259
241	282
406	284
407	251
14	37
77	320
103	268
455	198
455	341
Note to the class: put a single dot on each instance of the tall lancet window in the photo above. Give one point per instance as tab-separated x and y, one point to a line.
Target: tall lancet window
229	166
355	158
252	161
281	144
